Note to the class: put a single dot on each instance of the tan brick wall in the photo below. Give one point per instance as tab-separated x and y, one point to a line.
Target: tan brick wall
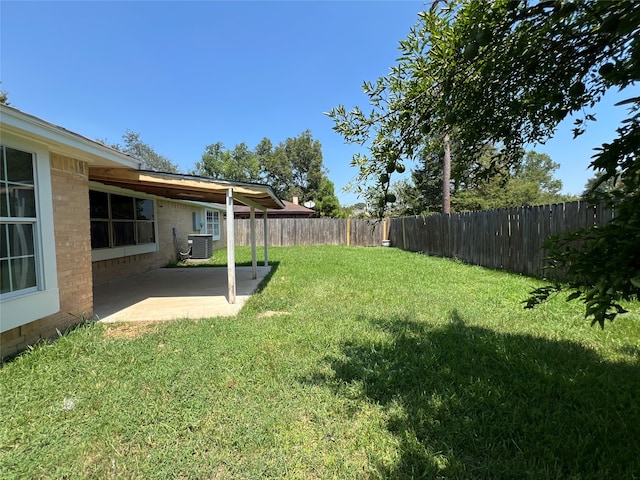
170	215
69	184
76	272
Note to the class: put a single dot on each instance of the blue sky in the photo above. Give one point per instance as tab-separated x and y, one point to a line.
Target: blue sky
188	74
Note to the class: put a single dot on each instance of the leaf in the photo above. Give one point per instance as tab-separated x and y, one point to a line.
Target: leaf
627	101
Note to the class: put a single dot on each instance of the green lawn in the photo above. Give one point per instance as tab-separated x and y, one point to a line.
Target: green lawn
350	363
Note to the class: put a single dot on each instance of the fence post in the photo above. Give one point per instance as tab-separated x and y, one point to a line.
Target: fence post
404	236
348	231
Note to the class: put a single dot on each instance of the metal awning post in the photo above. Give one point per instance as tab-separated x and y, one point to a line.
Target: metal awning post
231	254
266	237
254	260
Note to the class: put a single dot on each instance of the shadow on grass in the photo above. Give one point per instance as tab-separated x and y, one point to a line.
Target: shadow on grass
267	278
218	259
468	402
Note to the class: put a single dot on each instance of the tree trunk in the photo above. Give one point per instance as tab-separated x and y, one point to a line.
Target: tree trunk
446	177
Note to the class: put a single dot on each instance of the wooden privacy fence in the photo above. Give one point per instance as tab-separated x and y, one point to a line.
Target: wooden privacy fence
285	232
508	239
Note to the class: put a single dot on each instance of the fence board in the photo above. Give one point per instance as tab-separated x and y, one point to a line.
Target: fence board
509	239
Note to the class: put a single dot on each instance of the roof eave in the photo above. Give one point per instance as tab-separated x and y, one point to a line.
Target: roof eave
63	141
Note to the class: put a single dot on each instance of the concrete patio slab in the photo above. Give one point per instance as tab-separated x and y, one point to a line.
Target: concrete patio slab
174	293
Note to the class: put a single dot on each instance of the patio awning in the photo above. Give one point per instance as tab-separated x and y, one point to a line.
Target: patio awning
187	187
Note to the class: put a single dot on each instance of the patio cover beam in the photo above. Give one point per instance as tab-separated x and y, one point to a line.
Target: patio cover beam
186	187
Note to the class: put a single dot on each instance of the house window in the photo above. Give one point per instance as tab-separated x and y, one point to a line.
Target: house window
120	220
18	222
213	223
28	272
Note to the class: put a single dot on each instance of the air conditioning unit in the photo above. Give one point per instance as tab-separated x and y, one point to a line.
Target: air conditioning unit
201	245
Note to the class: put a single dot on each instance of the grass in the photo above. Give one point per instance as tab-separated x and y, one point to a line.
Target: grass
351	363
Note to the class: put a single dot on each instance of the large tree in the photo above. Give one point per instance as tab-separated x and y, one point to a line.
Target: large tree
304	157
529	182
326	203
422	193
237	165
504	74
134	146
295	168
276	167
597	188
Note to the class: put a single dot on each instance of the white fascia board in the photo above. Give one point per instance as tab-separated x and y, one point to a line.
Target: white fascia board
256	186
269	190
275	197
63	141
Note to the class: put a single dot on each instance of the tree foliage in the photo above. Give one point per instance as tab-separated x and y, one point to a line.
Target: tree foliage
294	167
237	165
530	181
134	146
327	204
276	168
4	97
503	74
597	188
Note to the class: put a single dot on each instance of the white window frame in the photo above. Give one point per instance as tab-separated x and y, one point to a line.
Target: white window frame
215	223
25	306
128	250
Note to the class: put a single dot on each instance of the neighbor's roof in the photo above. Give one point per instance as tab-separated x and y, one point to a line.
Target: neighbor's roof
290	208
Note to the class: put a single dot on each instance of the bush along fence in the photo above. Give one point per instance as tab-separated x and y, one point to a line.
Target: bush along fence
286	232
508	239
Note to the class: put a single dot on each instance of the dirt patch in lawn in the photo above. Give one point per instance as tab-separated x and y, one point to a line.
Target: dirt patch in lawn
272	313
127	330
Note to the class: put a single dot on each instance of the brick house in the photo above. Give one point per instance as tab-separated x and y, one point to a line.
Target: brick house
75	213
